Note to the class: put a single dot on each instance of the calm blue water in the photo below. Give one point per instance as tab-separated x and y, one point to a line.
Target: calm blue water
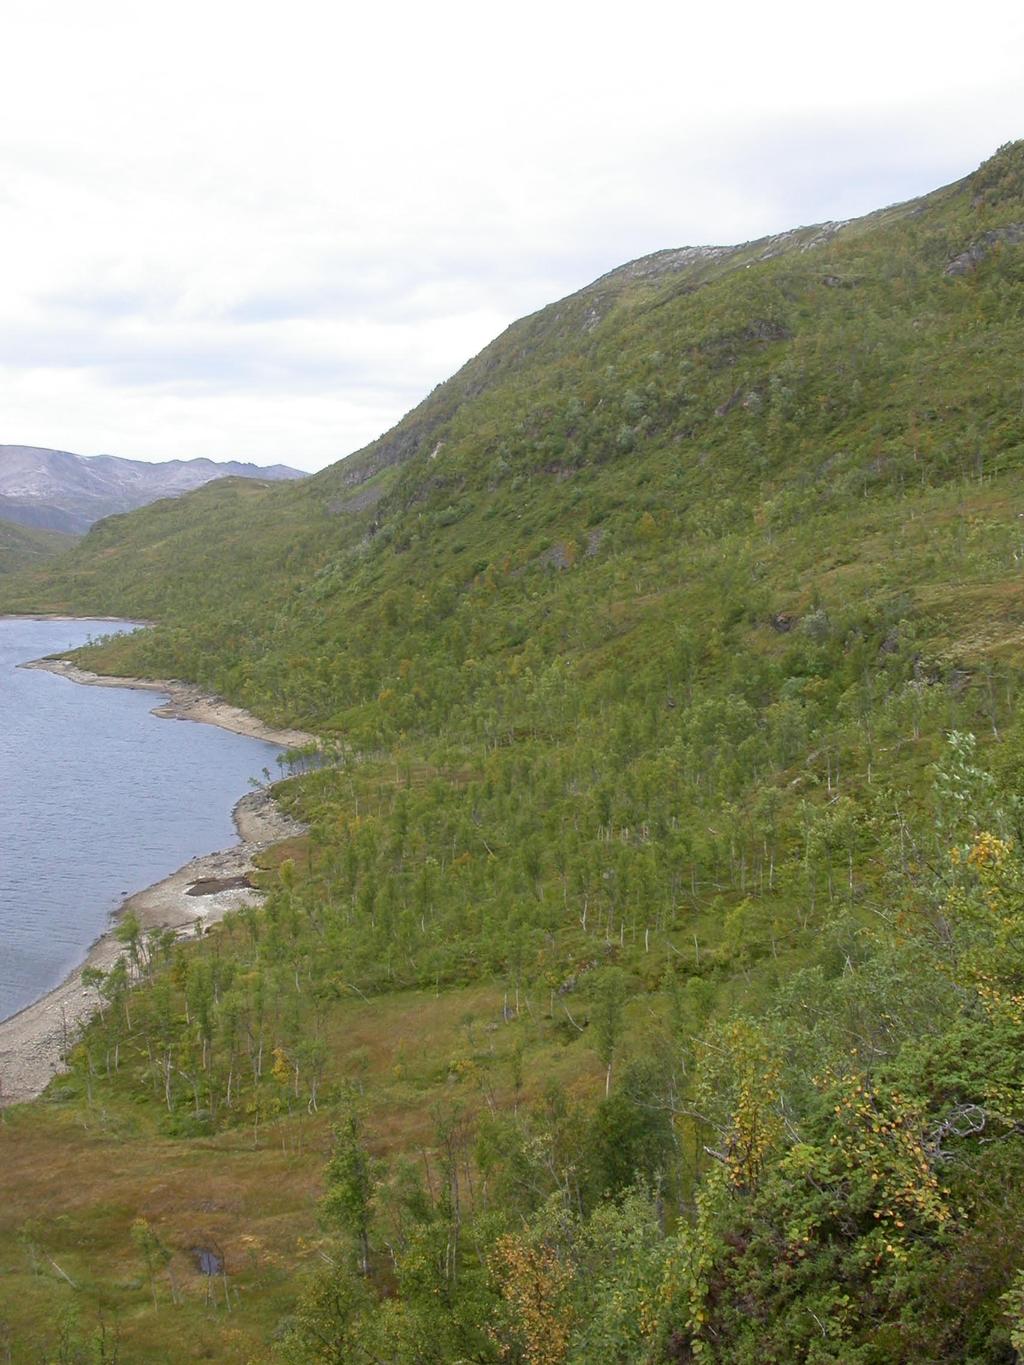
97	799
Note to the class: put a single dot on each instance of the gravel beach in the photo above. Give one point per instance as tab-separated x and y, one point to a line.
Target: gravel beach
33	1041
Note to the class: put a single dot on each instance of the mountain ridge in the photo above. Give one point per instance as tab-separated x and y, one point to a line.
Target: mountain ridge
58	490
691	267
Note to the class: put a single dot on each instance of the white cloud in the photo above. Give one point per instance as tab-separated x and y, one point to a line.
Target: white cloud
251	231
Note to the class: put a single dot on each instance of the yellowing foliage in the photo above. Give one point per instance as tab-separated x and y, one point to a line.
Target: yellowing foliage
533	1283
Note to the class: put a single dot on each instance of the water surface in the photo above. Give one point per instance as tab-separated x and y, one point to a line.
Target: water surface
97	799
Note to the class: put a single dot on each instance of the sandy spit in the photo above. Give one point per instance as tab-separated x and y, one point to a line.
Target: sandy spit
34	1041
184	702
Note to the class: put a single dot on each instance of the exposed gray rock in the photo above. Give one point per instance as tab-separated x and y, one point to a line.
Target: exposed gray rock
594	538
801	238
358	502
1012	235
557	556
669	262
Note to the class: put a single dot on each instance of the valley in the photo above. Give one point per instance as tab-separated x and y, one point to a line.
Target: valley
644	983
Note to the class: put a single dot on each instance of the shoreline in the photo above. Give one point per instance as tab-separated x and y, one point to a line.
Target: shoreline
33	1041
67	616
185	701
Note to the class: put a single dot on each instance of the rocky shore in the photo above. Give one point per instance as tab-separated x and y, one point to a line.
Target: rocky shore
184	702
34	1041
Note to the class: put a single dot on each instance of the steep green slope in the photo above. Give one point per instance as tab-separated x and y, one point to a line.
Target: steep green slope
848	364
659	899
21	546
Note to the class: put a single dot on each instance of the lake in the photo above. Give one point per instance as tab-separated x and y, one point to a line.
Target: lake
98	799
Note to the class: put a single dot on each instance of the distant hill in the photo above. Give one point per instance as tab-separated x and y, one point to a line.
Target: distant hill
25	546
55	490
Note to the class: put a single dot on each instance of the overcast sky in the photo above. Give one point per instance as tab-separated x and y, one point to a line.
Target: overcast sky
264	231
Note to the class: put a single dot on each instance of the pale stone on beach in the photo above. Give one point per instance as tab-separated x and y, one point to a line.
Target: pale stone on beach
34	1041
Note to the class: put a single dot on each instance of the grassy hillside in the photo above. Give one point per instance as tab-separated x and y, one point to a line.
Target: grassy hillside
654	954
22	546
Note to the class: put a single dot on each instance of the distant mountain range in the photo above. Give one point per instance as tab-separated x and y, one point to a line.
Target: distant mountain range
55	490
